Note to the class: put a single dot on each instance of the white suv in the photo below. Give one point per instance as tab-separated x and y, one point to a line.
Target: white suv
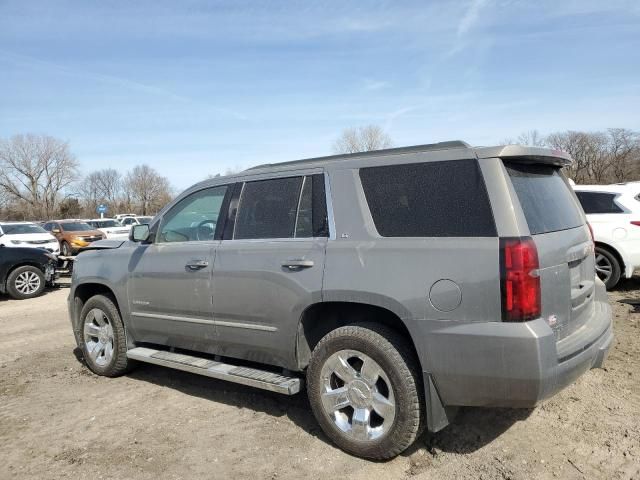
27	234
614	214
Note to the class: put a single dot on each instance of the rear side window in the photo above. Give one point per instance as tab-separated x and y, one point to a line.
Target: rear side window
598	202
433	199
545	197
268	209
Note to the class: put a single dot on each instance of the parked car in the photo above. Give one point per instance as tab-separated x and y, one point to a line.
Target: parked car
113	229
121	216
73	235
129	221
401	284
25	271
613	211
27	234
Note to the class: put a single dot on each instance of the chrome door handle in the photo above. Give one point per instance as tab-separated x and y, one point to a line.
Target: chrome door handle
297	264
197	264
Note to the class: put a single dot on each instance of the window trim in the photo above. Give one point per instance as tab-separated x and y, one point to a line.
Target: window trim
229	233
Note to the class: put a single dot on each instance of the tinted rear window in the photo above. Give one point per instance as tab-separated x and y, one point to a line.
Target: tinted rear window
545	197
596	202
434	199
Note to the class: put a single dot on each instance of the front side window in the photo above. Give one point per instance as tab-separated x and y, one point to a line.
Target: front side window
598	202
194	218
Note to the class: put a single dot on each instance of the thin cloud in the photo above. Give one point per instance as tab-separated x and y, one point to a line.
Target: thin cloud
35	63
372	85
471	16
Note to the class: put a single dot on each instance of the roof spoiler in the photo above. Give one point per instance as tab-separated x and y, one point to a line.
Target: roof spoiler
520	153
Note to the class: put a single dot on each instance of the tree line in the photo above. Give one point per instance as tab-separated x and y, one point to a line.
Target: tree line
610	156
40	179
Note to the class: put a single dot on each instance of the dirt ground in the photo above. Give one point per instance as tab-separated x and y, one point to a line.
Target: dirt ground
57	420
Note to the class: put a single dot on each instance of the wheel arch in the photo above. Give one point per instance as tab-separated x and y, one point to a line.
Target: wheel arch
84	292
320	318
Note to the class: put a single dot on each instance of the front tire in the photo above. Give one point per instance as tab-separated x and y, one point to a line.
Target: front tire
25	282
365	390
102	337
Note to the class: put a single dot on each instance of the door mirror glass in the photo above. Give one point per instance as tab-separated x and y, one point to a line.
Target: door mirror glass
139	233
55	230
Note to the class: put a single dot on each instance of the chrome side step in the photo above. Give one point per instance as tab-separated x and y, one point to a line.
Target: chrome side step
222	371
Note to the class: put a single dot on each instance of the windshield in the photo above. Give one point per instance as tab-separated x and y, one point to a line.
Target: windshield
76	227
105	223
21	228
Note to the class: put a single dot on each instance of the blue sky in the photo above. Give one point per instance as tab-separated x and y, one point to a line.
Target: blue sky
193	88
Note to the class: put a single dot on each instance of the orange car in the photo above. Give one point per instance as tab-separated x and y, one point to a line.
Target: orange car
73	235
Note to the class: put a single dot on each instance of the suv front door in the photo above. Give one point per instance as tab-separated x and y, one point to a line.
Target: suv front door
170	278
269	267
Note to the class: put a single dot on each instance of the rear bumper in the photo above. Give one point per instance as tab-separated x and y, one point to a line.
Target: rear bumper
514	365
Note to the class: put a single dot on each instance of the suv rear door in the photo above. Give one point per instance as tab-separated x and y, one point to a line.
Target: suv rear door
269	266
565	251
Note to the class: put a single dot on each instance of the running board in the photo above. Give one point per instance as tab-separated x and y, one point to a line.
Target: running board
222	371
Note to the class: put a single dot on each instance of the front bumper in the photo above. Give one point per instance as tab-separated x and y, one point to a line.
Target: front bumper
514	364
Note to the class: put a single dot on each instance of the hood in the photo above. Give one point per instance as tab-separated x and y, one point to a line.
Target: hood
84	233
104	245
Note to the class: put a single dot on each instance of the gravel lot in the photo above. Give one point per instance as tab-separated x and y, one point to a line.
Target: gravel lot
57	420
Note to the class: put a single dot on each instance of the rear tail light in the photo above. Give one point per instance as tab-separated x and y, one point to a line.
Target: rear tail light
519	279
593	239
636	223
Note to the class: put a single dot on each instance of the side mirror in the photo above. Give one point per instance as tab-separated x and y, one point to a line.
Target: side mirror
55	230
139	233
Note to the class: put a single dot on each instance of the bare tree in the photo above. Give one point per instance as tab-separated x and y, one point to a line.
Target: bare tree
35	171
532	138
625	154
362	139
101	186
147	189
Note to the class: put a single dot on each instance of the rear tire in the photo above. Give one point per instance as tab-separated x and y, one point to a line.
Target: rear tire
365	389
608	267
65	249
25	282
102	337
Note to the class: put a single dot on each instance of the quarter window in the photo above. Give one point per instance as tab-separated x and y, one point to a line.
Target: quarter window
597	202
430	199
194	218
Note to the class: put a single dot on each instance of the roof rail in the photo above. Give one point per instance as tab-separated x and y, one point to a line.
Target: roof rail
388	151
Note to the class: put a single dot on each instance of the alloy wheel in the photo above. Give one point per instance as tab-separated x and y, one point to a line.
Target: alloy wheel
98	337
27	283
357	395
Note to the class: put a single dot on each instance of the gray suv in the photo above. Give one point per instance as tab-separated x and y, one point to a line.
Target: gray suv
398	284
